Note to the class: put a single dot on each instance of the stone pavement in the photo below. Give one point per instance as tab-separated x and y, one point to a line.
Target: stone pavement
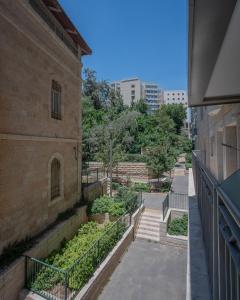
148	271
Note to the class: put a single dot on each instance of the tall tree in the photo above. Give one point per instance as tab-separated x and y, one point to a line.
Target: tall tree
177	112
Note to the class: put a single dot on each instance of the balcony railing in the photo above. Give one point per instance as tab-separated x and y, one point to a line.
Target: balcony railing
221	233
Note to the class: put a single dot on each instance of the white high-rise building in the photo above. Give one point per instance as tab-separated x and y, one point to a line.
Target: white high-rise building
134	89
176	96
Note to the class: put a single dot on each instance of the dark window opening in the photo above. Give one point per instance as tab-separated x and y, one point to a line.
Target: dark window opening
56	101
55	178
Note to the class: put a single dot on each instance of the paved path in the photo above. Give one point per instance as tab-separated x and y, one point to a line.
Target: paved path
148	271
180	183
153	200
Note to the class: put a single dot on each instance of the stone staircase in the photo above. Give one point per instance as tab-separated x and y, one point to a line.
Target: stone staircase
149	225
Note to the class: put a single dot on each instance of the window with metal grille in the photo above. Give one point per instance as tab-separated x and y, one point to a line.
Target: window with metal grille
56	100
55	178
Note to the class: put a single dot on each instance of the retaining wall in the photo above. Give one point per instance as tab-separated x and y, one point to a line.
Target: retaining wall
95	285
12	279
133	170
95	190
165	238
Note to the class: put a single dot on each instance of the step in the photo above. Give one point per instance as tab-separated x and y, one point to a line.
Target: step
146	237
148	227
148	232
150	220
152	216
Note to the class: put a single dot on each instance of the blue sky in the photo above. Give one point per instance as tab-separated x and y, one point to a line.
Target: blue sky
143	38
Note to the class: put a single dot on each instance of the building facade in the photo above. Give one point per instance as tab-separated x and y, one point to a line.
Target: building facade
176	97
134	89
40	116
214	47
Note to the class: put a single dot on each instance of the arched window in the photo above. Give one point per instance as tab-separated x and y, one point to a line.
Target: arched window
55	178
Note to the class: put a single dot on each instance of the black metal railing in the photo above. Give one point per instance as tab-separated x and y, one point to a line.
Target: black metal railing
54	283
64	284
174	200
221	233
92	175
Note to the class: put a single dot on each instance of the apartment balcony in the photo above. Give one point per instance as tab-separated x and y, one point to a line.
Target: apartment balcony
219	208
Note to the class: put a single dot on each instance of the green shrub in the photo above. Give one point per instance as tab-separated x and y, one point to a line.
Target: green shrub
188	157
106	204
116	186
179	226
188	166
100	205
166	186
127	196
141	187
83	246
117	209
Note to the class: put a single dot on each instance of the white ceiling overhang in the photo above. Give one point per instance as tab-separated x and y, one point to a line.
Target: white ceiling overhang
214	52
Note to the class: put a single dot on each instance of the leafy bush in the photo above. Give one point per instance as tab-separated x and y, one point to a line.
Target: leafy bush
100	205
127	196
141	187
117	209
83	246
179	226
115	186
134	158
106	204
188	165
166	186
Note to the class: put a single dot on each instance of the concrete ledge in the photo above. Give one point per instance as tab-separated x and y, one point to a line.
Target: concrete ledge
95	285
172	240
100	277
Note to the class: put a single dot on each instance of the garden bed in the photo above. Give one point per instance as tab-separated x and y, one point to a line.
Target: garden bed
67	270
178	226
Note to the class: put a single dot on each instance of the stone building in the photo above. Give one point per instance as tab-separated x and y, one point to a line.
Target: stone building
40	116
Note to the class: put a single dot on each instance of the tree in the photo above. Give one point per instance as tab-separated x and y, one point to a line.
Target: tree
140	106
161	158
177	112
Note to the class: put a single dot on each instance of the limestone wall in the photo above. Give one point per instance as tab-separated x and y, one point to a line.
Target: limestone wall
133	170
95	190
33	56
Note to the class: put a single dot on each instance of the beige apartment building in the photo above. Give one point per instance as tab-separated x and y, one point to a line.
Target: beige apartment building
134	89
40	116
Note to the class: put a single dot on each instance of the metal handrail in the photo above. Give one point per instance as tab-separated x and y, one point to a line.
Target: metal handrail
33	270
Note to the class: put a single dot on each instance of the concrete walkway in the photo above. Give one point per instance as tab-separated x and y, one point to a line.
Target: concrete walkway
148	271
154	200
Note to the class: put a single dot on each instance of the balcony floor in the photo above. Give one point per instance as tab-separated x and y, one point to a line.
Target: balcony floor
197	273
